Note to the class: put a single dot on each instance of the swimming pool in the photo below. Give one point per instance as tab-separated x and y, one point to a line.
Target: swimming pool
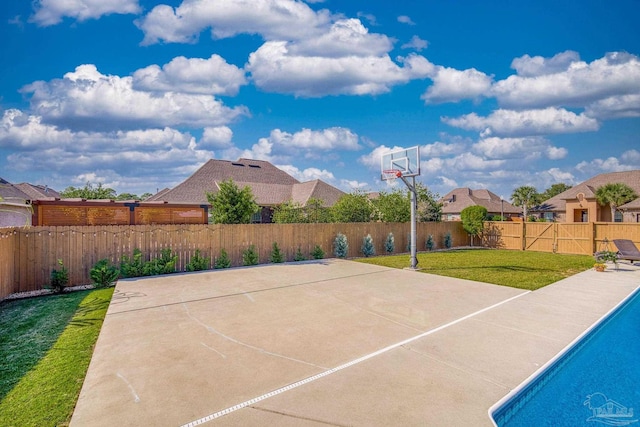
595	381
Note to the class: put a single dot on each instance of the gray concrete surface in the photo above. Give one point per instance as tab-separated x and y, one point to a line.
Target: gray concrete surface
176	350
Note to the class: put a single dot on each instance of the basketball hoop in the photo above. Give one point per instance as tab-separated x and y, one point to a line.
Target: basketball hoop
390	174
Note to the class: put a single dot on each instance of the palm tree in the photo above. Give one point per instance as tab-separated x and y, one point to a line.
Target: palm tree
615	194
525	196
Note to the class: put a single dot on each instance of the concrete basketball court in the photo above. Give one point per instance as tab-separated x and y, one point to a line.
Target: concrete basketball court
331	342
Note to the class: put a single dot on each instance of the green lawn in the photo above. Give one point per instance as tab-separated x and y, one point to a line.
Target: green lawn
46	344
518	269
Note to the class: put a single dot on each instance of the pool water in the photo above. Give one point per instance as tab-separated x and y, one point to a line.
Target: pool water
595	383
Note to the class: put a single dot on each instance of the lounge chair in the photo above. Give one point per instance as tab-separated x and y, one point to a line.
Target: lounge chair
627	250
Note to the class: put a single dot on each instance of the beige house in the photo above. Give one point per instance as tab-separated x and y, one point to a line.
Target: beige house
578	204
456	200
270	186
16	202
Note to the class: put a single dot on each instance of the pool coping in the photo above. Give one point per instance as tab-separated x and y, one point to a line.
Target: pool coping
538	374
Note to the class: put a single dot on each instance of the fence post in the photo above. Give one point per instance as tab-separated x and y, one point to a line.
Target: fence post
524	234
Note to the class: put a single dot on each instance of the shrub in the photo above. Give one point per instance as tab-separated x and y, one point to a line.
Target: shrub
276	254
59	278
250	256
367	246
104	274
389	244
223	261
164	264
132	266
317	252
198	262
341	246
448	241
429	244
299	256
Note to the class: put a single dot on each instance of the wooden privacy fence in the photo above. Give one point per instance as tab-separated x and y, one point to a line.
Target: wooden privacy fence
583	238
27	255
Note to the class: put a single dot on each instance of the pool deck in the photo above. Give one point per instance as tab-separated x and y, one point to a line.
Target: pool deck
332	342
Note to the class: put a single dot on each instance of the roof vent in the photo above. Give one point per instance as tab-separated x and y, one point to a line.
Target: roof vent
237	164
254	166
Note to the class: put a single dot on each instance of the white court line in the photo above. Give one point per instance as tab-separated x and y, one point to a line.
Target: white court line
341	367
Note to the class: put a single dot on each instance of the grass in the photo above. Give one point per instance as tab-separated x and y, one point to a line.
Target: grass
46	344
518	269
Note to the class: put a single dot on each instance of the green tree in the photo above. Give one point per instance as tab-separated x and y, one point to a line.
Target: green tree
615	194
276	254
394	206
526	197
473	218
231	205
429	208
89	192
353	207
288	212
317	212
553	191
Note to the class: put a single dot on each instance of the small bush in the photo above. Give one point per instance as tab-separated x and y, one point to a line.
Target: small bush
132	266
276	254
104	274
341	246
198	262
165	264
317	252
389	244
59	278
299	256
367	246
448	241
223	261
250	256
429	244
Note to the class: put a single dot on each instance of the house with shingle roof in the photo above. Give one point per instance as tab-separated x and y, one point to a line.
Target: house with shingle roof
456	200
16	202
578	204
269	185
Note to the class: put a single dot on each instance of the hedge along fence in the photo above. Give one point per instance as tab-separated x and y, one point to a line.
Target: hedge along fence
27	255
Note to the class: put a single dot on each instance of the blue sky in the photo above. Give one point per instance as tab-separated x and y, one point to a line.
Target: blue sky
138	94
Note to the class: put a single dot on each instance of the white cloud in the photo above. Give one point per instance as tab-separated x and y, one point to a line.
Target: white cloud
88	99
212	76
51	12
272	19
518	148
345	37
615	107
631	157
469	161
335	138
610	164
415	43
275	69
438	149
216	137
309	174
558	175
348	185
616	74
451	85
525	123
404	19
527	66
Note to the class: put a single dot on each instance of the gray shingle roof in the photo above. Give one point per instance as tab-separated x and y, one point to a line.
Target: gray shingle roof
456	200
269	185
22	192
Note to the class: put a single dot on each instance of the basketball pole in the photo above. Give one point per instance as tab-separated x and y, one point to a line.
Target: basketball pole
413	200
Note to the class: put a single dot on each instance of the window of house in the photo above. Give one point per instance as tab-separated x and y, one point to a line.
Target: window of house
617	217
548	216
256	217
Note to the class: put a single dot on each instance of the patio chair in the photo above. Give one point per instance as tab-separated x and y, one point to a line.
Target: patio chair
627	250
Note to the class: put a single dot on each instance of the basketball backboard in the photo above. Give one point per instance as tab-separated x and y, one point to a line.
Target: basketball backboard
401	162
